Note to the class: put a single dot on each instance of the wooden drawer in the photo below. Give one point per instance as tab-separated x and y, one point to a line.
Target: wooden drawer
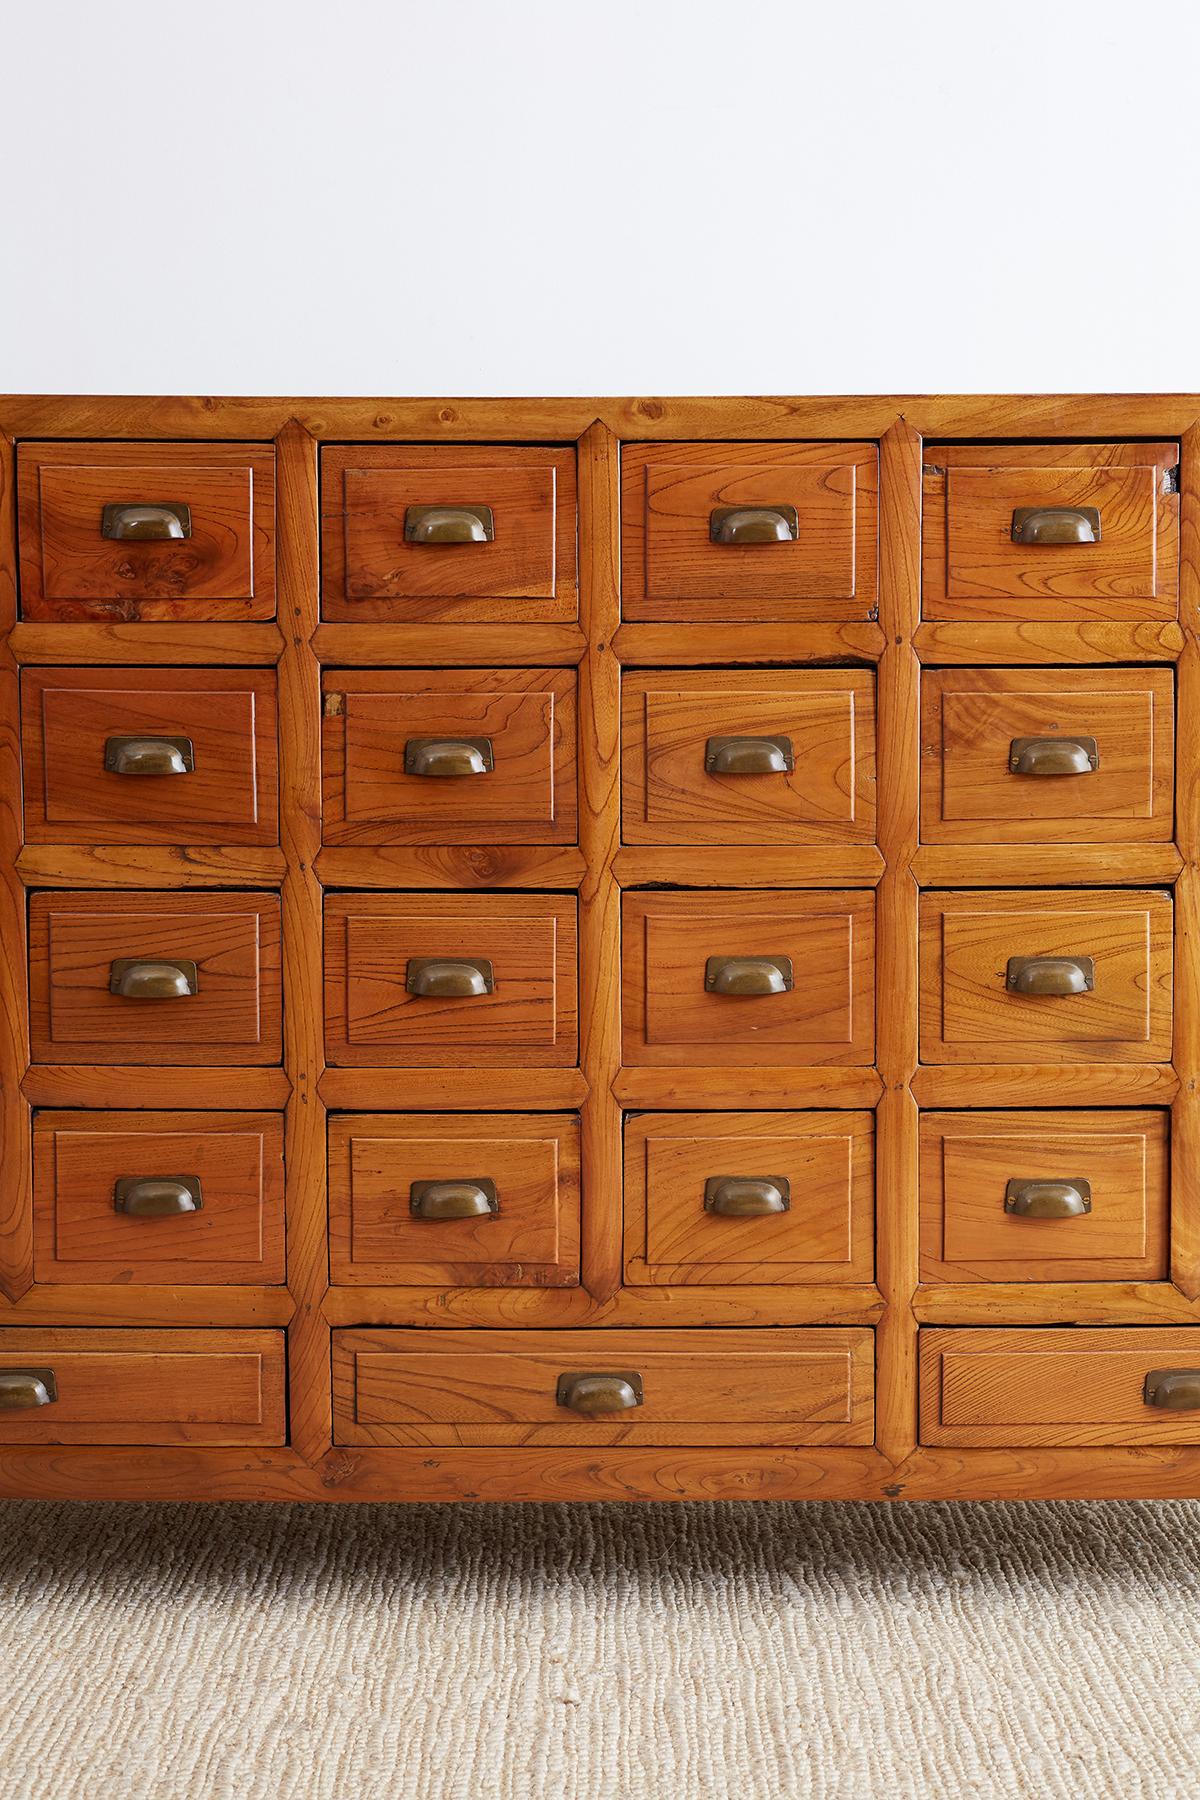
974	567
449	756
1044	1196
454	1199
142	1387
748	1197
822	497
202	518
439	1388
387	555
231	1014
1020	756
150	756
972	945
158	1198
375	949
807	776
672	1015
1055	1387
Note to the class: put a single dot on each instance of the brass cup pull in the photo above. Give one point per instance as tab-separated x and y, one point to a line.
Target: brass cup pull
149	755
461	1198
1050	975
446	758
147	522
593	1393
449	978
748	976
23	1389
1056	525
1053	756
153	978
747	1196
749	756
754	524
1173	1390
449	525
157	1196
1048	1199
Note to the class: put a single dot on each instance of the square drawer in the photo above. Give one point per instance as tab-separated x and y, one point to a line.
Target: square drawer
451	1199
1072	976
725	757
746	533
780	977
456	533
154	978
1044	1196
479	1388
1026	756
150	756
449	756
1050	531
1057	1387
146	531
170	1199
442	980
142	1387
713	1198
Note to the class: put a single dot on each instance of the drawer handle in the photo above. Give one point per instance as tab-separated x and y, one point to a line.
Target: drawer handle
23	1389
1050	975
1053	756
1048	1199
748	976
145	522
449	525
446	978
457	1199
747	1196
1173	1390
749	756
593	1393
157	978
157	1196
447	758
754	524
1056	525
149	755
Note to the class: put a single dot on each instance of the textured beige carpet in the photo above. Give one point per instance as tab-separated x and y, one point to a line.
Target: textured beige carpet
577	1653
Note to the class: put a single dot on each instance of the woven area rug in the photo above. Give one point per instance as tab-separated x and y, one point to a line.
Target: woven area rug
698	1652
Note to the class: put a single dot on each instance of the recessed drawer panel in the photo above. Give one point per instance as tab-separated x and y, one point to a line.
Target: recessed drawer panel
141	1387
1028	977
748	532
723	757
713	1198
147	531
433	1199
745	979
1058	1387
154	978
158	1198
449	756
150	756
439	1388
438	980
1044	1196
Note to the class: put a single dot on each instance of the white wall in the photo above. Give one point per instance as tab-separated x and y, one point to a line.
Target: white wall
599	196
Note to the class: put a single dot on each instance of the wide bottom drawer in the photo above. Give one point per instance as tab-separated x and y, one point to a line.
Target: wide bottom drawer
141	1387
440	1388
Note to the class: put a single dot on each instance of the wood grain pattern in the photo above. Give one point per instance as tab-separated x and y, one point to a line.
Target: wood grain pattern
641	645
1047	865
1029	641
1069	1084
179	645
16	1212
715	865
1185	1119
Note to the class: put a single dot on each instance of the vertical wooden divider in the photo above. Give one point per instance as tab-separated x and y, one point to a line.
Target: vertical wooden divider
599	840
1185	1116
16	1210
899	750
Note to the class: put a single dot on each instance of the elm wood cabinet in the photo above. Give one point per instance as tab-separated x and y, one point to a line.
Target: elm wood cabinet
594	948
